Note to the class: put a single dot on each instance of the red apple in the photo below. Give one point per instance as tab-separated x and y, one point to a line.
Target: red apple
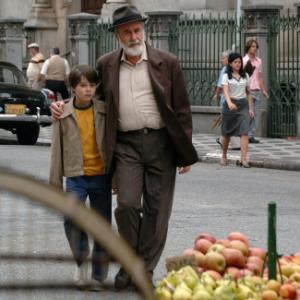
244	273
256	260
224	242
238	236
287	270
233	271
199	258
274	285
269	295
214	274
216	248
188	252
214	261
296	260
197	254
206	236
256	251
242	246
295	277
202	245
254	268
234	257
288	291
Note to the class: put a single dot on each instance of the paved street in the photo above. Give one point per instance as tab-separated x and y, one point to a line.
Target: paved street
273	153
209	199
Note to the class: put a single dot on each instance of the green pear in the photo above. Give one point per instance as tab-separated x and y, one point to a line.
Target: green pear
173	279
201	287
163	294
244	292
189	270
182	292
202	295
207	280
224	292
191	281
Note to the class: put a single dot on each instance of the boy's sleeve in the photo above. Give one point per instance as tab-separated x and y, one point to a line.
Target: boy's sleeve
56	164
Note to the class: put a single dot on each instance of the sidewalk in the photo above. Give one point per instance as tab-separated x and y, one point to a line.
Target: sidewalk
269	153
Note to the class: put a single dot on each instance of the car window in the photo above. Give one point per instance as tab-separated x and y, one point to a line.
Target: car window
10	75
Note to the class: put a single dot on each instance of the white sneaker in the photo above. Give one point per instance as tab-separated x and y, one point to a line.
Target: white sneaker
81	274
95	285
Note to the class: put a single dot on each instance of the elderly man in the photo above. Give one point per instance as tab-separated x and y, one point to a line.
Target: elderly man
34	66
148	131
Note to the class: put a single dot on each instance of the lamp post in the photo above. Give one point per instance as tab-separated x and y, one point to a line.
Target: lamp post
238	17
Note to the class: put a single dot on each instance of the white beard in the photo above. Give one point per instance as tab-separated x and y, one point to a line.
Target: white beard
135	50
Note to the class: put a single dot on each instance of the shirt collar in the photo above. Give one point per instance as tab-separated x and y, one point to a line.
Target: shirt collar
143	57
248	57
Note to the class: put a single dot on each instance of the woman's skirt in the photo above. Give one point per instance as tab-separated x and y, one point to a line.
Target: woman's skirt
235	122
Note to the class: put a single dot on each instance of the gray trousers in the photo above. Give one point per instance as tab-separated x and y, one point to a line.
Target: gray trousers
145	175
257	99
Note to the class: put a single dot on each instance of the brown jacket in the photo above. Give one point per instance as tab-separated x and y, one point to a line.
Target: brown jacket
170	94
66	152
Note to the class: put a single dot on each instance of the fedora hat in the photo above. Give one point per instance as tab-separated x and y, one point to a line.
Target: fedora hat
126	14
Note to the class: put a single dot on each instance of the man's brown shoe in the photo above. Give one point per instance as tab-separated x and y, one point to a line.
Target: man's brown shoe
122	280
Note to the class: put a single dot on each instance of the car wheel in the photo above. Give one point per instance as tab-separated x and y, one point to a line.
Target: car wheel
28	134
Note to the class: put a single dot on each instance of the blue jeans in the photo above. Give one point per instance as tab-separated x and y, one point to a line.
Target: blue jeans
256	96
98	188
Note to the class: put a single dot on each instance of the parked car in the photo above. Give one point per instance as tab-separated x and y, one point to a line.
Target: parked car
22	109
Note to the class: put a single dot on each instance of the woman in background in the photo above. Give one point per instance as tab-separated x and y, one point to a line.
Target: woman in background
238	108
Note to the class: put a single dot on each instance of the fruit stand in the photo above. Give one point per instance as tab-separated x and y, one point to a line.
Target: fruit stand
231	269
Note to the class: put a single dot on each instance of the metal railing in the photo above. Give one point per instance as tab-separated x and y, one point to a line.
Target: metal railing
28	243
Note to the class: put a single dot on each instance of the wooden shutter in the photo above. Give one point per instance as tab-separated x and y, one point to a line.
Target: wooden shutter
92	6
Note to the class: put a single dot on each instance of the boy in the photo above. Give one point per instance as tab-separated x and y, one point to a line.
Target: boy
78	153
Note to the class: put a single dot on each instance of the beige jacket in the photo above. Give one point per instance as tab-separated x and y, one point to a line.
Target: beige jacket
66	152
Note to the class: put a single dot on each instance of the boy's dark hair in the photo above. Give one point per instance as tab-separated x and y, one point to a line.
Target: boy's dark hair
249	44
232	57
82	70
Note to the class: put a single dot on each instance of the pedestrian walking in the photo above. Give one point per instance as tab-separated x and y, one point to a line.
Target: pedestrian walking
257	86
149	131
55	71
78	153
238	108
34	67
234	143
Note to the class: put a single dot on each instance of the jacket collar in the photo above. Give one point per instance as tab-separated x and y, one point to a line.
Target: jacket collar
69	107
154	68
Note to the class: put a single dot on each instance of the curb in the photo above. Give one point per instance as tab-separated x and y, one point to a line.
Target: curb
267	163
11	141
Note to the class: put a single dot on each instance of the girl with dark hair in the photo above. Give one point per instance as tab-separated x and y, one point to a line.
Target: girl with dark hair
238	108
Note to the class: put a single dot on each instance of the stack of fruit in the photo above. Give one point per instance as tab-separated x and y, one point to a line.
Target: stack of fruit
231	255
230	269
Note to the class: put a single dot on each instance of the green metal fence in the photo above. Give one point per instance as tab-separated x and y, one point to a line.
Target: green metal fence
284	75
200	43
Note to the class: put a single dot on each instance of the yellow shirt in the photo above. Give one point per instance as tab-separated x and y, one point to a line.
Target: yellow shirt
92	162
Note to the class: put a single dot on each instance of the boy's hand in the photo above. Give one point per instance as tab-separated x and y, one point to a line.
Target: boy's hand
57	109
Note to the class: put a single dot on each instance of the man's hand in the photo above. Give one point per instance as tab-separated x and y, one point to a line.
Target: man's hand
183	170
57	109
